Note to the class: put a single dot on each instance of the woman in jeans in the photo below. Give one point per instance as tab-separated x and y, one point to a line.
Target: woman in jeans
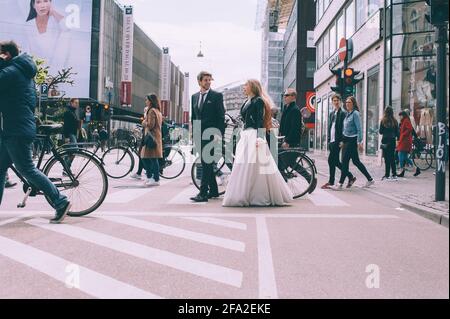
390	132
152	124
352	141
405	142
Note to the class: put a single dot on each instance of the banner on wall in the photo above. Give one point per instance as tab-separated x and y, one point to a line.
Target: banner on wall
165	75
64	42
127	57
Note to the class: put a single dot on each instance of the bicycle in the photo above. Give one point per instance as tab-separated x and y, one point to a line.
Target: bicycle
119	160
422	156
298	170
79	180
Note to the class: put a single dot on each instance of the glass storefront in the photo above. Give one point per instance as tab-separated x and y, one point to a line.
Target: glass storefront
410	76
373	110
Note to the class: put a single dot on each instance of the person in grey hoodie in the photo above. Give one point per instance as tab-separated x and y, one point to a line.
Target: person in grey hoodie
17	103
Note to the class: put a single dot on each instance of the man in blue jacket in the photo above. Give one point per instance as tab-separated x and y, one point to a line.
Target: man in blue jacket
17	103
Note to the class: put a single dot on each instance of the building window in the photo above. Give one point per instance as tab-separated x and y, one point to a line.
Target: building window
318	123
373	110
320	8
350	20
324	122
333	42
359	95
340	28
414	21
361	13
326	47
374	6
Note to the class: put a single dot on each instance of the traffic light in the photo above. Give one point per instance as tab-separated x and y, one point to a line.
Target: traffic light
351	78
438	12
339	82
107	111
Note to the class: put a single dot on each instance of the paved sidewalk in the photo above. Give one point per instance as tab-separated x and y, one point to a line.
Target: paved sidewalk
414	193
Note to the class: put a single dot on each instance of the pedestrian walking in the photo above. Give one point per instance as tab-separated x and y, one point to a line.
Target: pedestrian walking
405	143
71	121
152	128
103	137
17	103
335	137
255	179
138	174
208	112
352	138
389	130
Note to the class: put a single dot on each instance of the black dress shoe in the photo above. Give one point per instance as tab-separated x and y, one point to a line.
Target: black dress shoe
200	199
213	195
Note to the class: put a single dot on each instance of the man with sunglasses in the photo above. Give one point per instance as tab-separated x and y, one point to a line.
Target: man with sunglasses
291	120
291	127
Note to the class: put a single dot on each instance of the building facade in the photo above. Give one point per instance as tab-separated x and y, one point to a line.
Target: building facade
233	97
410	64
299	62
361	22
106	60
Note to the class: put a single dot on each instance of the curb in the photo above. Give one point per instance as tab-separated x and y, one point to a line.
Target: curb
434	215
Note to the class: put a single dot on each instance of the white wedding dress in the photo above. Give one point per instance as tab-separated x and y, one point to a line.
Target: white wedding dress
255	179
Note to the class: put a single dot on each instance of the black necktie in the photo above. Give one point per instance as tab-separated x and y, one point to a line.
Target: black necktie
202	100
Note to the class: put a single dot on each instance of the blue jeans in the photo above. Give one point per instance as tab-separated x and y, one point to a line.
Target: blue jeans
151	166
403	158
18	151
72	145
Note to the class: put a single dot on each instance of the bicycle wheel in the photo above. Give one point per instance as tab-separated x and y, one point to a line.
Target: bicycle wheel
422	159
88	191
118	162
174	163
298	171
222	172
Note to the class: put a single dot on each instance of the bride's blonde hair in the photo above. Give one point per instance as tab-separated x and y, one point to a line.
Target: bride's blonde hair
257	90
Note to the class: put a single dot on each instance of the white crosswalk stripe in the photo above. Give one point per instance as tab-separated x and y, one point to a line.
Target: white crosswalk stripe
322	198
182	263
91	282
218	222
178	232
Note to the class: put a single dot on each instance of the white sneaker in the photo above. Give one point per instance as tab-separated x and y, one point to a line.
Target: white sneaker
152	182
136	176
369	183
394	179
339	187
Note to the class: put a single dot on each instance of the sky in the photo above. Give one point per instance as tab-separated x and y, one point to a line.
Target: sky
230	43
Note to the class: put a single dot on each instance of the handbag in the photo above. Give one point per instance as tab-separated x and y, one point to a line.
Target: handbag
149	141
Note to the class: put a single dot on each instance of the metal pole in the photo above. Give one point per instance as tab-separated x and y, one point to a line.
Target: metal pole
441	110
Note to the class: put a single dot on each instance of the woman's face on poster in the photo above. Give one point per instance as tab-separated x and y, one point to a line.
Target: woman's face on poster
42	7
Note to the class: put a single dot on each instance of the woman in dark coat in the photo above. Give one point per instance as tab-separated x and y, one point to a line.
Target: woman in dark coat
390	132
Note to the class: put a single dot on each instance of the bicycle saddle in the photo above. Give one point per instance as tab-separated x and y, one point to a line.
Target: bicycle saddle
50	128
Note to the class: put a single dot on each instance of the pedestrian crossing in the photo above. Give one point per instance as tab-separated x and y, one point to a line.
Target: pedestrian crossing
187	261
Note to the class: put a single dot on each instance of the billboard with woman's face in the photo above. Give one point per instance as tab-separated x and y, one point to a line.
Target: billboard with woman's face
58	31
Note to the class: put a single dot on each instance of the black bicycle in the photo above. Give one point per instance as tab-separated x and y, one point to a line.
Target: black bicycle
297	169
120	160
76	172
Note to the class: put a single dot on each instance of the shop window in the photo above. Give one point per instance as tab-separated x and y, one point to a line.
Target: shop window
373	110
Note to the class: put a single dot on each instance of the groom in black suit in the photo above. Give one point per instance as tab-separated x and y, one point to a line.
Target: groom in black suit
209	111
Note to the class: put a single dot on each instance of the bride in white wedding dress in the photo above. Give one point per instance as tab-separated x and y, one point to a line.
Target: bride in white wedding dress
255	179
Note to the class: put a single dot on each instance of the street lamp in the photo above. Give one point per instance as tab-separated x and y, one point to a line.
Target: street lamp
200	54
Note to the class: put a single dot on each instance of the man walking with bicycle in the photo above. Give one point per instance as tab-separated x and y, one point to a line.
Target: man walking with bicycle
17	103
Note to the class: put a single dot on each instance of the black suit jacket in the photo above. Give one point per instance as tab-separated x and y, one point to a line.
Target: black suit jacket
340	117
291	124
212	114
